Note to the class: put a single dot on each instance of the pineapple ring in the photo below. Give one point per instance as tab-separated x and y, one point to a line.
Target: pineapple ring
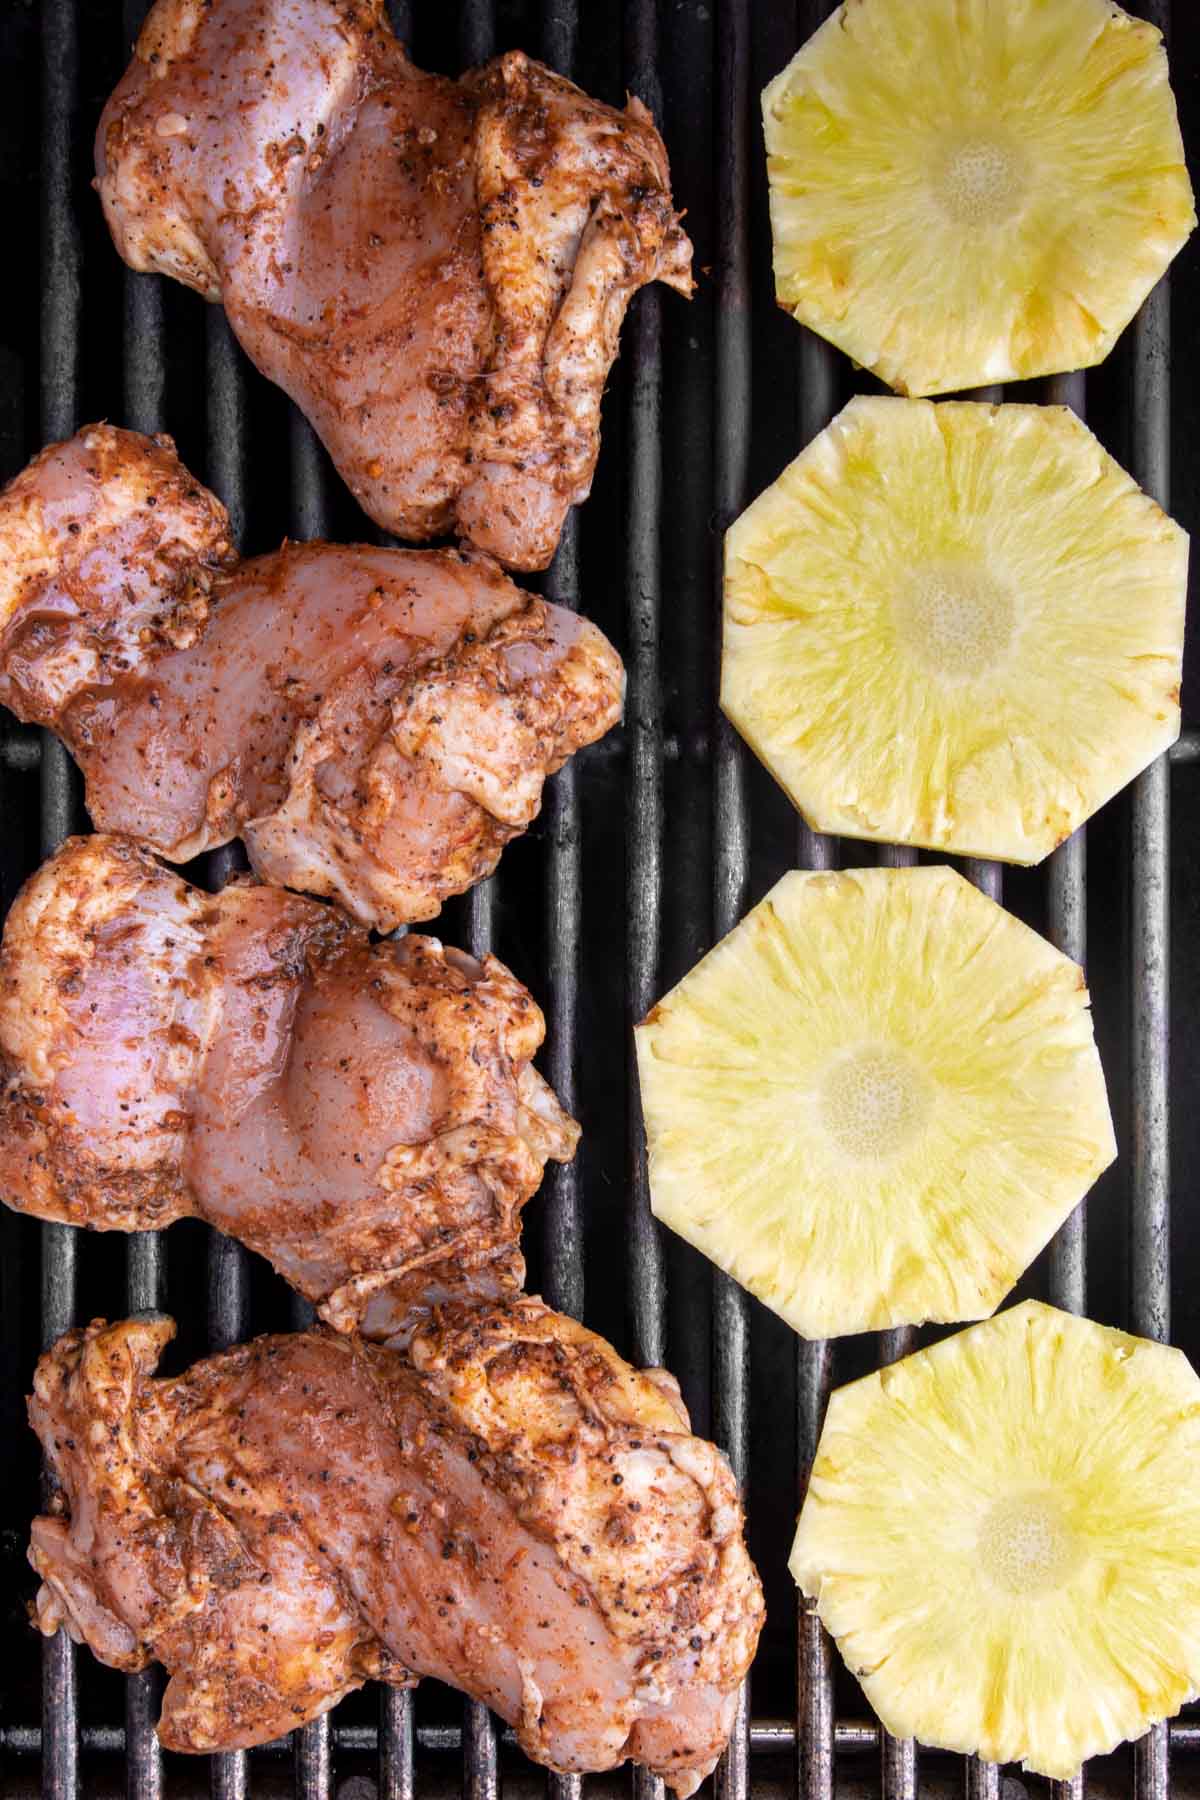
955	625
875	1101
969	191
1002	1533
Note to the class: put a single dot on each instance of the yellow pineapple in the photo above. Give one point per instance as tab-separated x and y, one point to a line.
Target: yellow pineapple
954	625
875	1100
1003	1535
970	191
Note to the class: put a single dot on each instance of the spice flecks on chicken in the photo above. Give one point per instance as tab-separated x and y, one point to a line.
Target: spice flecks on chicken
436	271
510	1508
376	724
367	1116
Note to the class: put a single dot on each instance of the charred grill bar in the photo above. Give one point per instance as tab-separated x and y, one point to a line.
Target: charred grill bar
57	1750
731	814
1150	1009
60	809
816	404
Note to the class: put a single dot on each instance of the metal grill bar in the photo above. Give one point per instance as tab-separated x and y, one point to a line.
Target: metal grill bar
312	1753
898	1759
731	837
60	361
481	1769
898	1756
1067	894
817	399
143	363
644	821
477	31
562	1238
395	1738
563	1274
312	1744
227	1325
564	873
643	711
481	1778
228	1276
144	375
816	404
814	1729
560	34
564	1278
857	1738
898	1773
477	42
1151	1246
981	1781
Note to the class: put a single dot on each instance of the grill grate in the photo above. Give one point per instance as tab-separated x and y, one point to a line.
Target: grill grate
651	845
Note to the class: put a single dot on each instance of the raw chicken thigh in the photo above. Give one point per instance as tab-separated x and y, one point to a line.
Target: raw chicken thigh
364	1115
436	271
376	724
508	1506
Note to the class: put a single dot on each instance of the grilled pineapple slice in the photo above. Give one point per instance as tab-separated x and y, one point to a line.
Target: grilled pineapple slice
969	191
874	1101
1003	1535
955	625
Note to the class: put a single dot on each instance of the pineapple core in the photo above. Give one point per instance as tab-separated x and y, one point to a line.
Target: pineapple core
874	1101
1026	1546
955	619
980	180
969	191
957	626
1002	1533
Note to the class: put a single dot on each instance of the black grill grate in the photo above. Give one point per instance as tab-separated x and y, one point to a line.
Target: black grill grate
650	846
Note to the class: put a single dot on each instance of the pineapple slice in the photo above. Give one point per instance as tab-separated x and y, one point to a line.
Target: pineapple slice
955	625
969	191
1003	1535
874	1102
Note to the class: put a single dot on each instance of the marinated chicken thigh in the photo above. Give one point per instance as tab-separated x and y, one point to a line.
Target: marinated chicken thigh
509	1507
436	271
376	724
364	1115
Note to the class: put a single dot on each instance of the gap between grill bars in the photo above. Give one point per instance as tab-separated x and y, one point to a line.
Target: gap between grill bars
822	1743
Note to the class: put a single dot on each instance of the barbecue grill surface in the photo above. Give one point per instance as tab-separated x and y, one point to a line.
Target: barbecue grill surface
652	844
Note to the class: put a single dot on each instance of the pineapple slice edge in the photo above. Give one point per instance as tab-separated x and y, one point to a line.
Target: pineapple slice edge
954	625
759	1068
963	1515
1043	146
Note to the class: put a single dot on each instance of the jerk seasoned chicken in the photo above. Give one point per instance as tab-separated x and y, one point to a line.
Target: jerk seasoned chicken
376	724
364	1115
509	1507
436	271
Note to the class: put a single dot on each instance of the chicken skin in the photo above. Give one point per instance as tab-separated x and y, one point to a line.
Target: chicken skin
435	271
364	1115
376	724
508	1506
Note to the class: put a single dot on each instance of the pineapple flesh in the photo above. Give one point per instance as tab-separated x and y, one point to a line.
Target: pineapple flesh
973	191
1003	1535
954	625
874	1102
